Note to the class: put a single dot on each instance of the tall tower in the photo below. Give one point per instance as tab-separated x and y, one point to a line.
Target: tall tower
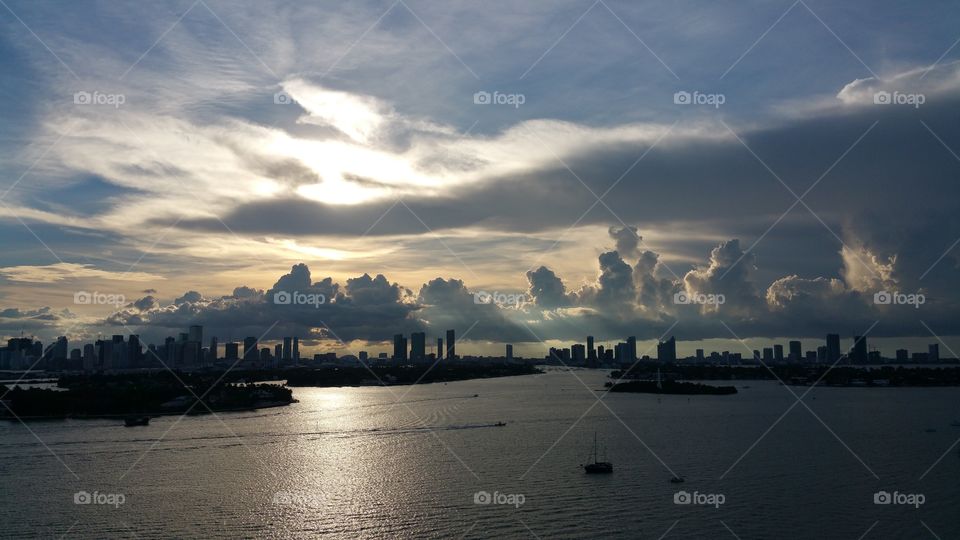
418	346
451	345
833	347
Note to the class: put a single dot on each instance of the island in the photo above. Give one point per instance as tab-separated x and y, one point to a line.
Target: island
140	395
671	387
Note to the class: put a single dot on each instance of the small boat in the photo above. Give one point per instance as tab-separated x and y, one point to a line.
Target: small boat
500	424
677	480
132	421
597	467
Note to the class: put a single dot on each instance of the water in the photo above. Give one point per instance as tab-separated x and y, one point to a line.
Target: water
351	463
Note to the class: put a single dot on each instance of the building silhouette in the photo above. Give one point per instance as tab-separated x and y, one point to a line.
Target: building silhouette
451	345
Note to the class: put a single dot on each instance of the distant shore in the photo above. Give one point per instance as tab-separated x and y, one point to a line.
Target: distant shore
163	393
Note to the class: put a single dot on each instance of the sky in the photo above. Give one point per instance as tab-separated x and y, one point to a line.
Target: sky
725	172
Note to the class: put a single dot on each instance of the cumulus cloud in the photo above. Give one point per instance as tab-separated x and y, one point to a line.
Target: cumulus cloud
627	240
547	289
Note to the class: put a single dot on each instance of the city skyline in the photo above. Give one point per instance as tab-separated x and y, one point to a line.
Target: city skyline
797	202
187	351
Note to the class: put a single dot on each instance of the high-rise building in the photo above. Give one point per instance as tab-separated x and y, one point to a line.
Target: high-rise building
212	353
278	352
833	348
250	349
933	352
509	352
903	355
451	345
778	353
579	353
632	349
591	352
296	349
89	357
231	350
287	351
439	348
418	347
196	334
859	352
796	351
821	354
399	348
363	356
767	355
667	350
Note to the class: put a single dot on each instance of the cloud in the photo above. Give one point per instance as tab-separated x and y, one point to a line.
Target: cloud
68	271
627	240
547	289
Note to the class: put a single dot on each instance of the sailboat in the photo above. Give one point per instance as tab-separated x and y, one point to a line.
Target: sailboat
597	467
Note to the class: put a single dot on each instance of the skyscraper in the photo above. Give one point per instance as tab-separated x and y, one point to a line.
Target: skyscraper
399	348
196	334
833	348
778	353
591	352
418	346
439	348
933	352
213	349
579	353
250	352
796	351
286	349
451	345
509	352
632	349
667	350
231	350
296	349
859	352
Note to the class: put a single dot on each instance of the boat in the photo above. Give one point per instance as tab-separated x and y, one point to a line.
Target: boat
132	421
597	467
500	424
677	480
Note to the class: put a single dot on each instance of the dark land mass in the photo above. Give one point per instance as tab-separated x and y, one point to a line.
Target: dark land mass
795	374
156	393
672	387
144	394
